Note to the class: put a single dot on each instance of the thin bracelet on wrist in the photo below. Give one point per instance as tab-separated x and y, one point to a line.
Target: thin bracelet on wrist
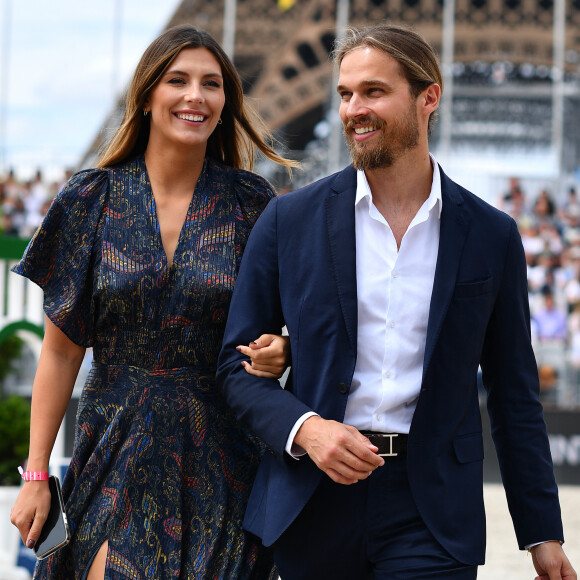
33	475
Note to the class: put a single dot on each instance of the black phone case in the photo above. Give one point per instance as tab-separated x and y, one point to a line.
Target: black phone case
55	533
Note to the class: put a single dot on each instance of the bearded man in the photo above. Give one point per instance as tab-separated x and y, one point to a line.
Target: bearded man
395	284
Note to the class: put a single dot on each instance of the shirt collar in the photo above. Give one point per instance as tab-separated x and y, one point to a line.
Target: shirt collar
363	190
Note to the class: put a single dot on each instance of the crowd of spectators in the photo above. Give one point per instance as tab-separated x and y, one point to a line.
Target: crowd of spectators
551	237
23	203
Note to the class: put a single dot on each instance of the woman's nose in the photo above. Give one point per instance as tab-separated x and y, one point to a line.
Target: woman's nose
194	94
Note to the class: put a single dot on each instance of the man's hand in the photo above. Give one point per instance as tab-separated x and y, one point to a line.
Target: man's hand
269	355
551	563
341	451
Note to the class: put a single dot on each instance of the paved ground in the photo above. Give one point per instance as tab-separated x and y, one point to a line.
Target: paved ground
504	560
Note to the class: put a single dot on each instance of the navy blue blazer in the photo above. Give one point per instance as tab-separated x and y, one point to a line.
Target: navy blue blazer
299	270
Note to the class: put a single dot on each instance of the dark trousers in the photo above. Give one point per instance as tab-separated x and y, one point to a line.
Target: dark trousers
369	530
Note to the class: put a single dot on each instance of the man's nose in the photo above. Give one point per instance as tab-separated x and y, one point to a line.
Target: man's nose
356	107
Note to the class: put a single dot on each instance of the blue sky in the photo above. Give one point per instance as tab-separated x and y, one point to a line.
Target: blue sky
61	74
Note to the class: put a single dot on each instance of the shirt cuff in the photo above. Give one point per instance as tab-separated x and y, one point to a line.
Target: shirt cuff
291	448
530	546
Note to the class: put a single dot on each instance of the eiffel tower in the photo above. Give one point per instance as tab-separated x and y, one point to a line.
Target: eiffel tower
283	54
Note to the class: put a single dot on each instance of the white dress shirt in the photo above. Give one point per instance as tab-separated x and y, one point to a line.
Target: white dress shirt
394	289
394	294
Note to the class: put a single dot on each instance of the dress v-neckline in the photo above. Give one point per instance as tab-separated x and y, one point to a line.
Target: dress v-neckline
152	205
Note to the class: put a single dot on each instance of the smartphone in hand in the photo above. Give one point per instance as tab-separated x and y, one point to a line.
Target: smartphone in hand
55	533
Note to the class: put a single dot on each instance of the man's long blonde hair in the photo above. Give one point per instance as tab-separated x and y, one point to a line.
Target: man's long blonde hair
418	60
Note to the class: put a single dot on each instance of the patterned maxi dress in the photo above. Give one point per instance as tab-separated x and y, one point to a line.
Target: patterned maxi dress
160	468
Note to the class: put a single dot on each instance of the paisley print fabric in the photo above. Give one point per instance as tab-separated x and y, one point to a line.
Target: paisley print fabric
161	469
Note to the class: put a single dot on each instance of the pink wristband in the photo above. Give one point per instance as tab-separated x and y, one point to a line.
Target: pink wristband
34	475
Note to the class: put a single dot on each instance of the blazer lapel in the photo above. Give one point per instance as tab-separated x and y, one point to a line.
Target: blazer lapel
341	234
453	230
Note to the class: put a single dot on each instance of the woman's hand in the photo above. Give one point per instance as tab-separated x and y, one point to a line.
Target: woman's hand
269	356
57	369
30	511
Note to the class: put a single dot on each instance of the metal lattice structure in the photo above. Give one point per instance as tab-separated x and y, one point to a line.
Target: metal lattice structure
502	71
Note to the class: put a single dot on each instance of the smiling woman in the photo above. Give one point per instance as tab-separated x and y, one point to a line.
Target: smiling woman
161	470
187	103
184	108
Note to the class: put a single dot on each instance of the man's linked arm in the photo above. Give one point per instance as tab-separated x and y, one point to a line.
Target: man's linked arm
256	308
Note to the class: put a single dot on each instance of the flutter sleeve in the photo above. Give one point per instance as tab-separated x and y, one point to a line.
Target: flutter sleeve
61	256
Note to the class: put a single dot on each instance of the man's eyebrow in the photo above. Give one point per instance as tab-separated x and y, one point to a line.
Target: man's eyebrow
365	84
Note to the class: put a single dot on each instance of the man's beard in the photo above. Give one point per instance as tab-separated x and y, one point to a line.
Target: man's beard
402	136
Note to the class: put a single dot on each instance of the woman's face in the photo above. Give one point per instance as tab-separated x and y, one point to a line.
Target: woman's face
186	104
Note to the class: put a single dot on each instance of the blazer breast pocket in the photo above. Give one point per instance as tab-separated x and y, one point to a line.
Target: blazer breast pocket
473	289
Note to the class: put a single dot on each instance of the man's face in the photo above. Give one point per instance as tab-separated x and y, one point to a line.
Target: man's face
378	112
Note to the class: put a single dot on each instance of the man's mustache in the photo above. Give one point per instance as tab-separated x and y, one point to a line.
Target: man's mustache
369	120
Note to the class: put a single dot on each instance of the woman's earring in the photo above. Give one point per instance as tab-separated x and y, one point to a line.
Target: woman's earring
145	113
220	121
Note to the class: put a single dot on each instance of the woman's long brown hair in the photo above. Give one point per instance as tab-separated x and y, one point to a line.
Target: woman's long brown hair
233	142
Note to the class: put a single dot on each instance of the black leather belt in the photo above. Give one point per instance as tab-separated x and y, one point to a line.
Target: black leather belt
389	444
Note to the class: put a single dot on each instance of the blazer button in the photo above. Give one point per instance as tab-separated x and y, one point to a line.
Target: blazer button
342	388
